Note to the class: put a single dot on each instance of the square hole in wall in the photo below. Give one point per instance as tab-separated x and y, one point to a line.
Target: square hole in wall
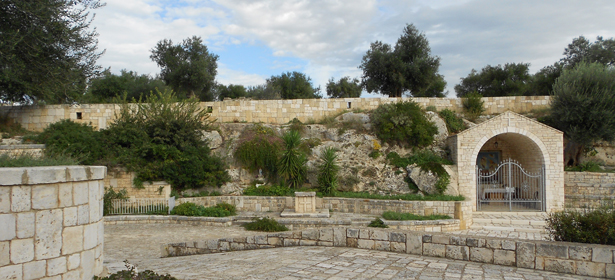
79	115
349	105
210	109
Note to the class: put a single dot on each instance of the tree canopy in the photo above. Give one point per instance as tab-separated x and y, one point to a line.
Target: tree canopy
105	88
409	67
508	80
188	67
295	85
343	88
581	49
47	50
230	91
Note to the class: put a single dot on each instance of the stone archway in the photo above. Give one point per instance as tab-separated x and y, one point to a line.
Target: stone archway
529	142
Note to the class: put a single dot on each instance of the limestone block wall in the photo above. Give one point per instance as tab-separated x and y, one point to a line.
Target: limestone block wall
120	179
37	118
51	222
35	150
572	258
590	190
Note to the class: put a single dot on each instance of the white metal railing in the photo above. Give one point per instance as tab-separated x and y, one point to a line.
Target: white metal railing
142	206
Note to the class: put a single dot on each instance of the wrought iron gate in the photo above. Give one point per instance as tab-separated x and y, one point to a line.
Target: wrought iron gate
510	188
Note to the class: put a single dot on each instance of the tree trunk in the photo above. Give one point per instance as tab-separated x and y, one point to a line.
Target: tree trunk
572	153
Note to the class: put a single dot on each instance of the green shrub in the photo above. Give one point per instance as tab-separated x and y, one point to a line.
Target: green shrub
10	128
296	125
131	274
327	171
110	194
259	149
591	226
588	166
427	161
267	190
374	154
191	209
307	145
379	223
403	123
28	160
265	224
473	105
79	141
292	162
454	123
390	215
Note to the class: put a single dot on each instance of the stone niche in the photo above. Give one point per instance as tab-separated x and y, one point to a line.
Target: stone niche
51	222
305	206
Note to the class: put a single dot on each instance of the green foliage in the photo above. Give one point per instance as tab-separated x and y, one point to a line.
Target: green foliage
543	80
230	91
344	88
268	190
265	224
307	145
427	161
408	197
295	85
188	67
327	171
28	160
110	194
191	209
196	194
390	215
296	125
374	154
408	67
48	51
592	226
79	141
260	148
379	223
473	105
10	128
131	274
292	162
588	166
264	92
109	86
348	181
582	50
454	123
403	123
510	80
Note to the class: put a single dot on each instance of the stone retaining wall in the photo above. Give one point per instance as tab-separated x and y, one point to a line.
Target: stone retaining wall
572	258
120	179
589	190
51	222
36	150
37	118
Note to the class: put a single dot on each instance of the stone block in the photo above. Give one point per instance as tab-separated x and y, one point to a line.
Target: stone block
72	240
11	272
48	238
44	197
101	233
70	216
304	242
365	244
457	252
540	263
260	239
440	239
25	225
56	266
7	230
34	270
414	244
397	237
87	261
610	271
509	245
22	250
65	194
240	239
94	201
326	234
237	246
83	214
364	233
552	250
382	245
80	193
5	199
591	269
291	242
504	257
526	254
73	261
427	238
5	253
21	199
90	236
561	266
458	240
325	243
352	233
399	247
602	254
434	250
483	255
311	234
493	243
12	176
352	242
582	253
475	242
224	246
378	234
339	237
275	241
72	275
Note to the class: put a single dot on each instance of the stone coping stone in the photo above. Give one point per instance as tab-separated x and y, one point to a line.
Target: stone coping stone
50	174
305	194
290	213
22	146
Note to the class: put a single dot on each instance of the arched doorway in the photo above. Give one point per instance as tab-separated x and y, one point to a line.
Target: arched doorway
510	174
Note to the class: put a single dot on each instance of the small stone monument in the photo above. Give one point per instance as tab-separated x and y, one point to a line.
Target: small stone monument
305	206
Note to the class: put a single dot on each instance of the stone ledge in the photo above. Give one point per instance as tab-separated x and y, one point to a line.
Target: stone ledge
50	174
290	213
22	146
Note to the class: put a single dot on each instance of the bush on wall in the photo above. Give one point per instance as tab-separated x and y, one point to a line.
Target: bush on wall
403	123
591	226
259	149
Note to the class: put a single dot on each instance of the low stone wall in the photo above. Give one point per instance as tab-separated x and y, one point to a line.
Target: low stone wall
572	258
35	150
589	190
120	179
51	222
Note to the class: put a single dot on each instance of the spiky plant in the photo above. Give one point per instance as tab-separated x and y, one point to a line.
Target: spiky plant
327	171
292	163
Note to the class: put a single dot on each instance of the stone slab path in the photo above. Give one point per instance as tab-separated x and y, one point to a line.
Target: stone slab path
140	245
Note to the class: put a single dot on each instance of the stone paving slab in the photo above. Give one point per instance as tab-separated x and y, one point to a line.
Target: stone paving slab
140	245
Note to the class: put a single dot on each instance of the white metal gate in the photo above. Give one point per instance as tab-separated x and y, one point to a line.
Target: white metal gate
510	188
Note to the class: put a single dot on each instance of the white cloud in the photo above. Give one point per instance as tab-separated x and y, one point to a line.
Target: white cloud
229	76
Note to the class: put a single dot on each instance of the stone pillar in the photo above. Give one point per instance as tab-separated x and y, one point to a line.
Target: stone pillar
305	202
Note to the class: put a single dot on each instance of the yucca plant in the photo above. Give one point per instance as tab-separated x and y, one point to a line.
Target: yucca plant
292	163
327	171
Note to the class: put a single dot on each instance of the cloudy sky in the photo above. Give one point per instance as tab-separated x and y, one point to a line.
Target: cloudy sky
256	39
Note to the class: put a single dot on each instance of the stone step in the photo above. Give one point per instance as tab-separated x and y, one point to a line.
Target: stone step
508	228
509	222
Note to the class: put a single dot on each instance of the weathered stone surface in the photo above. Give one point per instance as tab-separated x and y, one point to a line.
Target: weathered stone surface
591	269
94	201
48	238
377	234
11	271
425	180
72	275
83	215
44	197
382	245
237	246
365	244
494	243
21	199
303	242
562	266
72	240
434	250
526	254
291	242
22	250
56	266
352	242
326	234
65	194
5	256
224	246
458	240
274	241
504	257
5	200
509	245
414	244
582	253
73	261
475	242
311	234
90	236
442	134
87	263
213	138
364	233
552	250
397	237
353	233
34	270
427	238
483	255
339	237
440	239
80	193
25	225
398	247
458	252
70	216
610	271
7	230
260	239
602	254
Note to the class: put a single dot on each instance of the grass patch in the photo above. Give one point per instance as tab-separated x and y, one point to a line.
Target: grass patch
269	190
28	160
407	197
390	215
265	224
191	209
589	166
379	223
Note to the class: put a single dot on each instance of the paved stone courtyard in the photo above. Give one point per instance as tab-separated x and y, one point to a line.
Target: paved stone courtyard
140	245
